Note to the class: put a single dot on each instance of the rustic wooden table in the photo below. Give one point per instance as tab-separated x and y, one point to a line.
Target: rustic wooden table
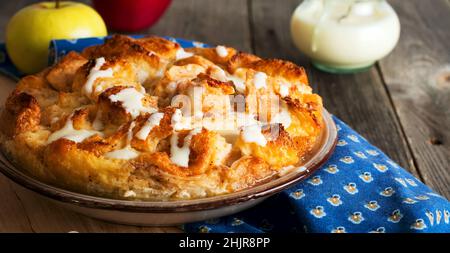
402	105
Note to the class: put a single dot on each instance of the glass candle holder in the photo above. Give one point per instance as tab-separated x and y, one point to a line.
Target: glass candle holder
345	36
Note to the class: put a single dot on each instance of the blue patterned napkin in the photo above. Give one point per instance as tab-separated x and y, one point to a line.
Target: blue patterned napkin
359	189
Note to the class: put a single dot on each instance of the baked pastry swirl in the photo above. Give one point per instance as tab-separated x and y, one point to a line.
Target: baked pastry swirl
147	119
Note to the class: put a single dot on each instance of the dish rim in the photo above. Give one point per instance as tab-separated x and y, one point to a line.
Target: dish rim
325	149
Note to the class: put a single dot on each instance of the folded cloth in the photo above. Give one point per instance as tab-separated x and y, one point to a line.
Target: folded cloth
359	189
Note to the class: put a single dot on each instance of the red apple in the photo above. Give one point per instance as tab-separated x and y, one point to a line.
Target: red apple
130	16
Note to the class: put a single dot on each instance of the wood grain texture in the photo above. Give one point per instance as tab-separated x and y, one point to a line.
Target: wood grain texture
212	22
417	75
358	99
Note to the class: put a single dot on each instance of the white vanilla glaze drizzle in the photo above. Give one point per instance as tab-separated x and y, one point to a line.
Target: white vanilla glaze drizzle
179	122
131	100
181	54
96	73
224	76
127	152
253	134
283	117
239	83
259	80
284	89
222	51
219	74
70	133
151	122
252	130
180	156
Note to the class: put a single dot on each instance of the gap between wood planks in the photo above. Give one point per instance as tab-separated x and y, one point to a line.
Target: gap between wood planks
251	25
402	130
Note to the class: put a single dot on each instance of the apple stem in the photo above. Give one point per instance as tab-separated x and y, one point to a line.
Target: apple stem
56	4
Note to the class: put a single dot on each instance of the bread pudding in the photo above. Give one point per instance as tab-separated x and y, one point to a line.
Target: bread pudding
146	119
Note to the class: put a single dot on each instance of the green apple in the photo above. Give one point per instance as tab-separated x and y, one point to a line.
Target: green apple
30	30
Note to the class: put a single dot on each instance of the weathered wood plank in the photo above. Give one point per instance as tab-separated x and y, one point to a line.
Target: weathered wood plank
213	22
13	217
7	10
45	217
417	75
358	99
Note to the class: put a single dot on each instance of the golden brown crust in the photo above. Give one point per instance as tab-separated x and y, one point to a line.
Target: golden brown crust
211	54
156	135
284	69
79	169
247	171
241	60
124	46
74	125
280	151
225	88
62	74
21	114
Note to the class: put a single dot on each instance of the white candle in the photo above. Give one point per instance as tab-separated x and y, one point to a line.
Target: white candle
345	34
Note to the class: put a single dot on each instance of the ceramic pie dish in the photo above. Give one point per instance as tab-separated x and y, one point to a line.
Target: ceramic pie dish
147	213
99	132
